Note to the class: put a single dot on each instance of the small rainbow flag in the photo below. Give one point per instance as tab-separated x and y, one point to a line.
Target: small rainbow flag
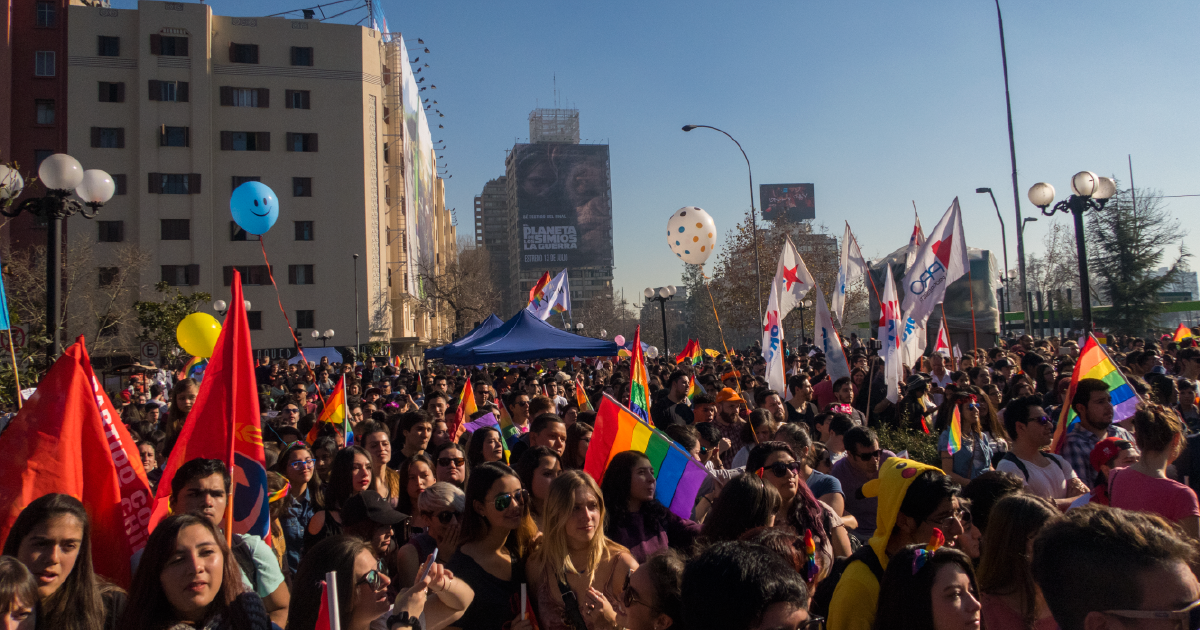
691	353
694	388
466	407
510	431
1094	362
538	292
639	379
955	443
335	412
1183	332
581	395
193	368
618	430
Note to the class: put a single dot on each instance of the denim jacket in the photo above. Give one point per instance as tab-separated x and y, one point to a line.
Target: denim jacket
964	460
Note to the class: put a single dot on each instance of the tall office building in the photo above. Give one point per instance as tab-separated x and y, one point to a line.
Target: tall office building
560	193
182	106
495	230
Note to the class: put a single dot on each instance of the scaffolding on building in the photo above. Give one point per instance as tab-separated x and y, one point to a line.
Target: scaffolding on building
554	125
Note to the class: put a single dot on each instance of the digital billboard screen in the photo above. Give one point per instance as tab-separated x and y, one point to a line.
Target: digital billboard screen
565	205
794	201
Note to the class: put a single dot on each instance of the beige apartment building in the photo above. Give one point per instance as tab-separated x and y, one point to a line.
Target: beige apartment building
182	106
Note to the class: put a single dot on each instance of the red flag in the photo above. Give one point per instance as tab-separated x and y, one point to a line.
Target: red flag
323	620
68	439
224	425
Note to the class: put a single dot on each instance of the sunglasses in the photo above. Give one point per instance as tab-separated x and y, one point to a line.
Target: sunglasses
504	501
629	596
303	463
446	461
972	406
1186	619
522	404
866	457
373	578
444	517
291	410
1044	420
780	469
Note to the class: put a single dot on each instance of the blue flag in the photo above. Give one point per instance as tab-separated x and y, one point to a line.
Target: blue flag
5	322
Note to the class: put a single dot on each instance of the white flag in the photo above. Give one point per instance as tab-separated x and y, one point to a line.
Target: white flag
889	335
826	338
792	280
940	261
852	267
557	298
914	242
943	340
772	348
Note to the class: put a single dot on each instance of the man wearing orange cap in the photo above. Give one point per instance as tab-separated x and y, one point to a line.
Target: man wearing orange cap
728	422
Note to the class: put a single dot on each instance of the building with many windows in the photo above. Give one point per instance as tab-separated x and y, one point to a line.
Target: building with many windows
182	106
496	231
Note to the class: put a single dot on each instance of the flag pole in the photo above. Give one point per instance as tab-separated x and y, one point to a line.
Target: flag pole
16	372
714	305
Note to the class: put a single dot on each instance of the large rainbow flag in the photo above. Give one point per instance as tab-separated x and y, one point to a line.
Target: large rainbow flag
691	353
1094	362
335	412
618	430
639	379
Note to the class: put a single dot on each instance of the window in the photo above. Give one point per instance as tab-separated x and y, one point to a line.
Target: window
181	275
176	229
238	180
254	320
112	92
252	275
296	99
174	137
107	46
108	137
245	97
47	16
168	46
306	142
112	231
43	63
304	230
301	274
45	111
304	319
119	181
174	183
108	275
245	141
243	53
302	56
301	186
176	91
236	233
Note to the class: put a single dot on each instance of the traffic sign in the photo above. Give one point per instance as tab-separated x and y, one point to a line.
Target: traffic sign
150	350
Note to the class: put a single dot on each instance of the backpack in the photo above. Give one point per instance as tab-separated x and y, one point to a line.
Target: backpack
1016	461
823	595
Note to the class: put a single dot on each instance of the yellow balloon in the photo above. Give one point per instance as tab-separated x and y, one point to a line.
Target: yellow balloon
197	334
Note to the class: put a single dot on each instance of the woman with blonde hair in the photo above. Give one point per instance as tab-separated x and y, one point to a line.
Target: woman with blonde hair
577	569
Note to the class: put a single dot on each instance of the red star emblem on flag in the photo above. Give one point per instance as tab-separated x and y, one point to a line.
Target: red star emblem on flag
790	276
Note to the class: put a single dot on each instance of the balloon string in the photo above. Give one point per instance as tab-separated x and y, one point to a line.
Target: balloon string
295	339
714	305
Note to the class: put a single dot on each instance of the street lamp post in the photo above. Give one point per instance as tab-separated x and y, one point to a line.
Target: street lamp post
1091	192
61	174
1004	245
579	328
222	307
324	337
661	295
753	220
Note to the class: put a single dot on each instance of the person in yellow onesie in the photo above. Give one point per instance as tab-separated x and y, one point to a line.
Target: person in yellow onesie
914	499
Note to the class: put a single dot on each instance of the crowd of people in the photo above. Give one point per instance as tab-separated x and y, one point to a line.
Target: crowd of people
807	519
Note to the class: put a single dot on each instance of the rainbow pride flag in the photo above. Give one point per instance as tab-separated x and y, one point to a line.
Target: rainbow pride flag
691	353
955	443
1094	362
581	395
510	431
1183	332
335	412
466	407
193	369
618	430
488	421
639	379
694	388
538	292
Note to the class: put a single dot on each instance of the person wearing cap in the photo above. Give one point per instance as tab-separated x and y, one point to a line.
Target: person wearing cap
1109	455
369	516
729	402
1093	404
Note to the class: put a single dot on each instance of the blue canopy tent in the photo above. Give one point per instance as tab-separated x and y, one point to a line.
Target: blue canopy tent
527	338
488	325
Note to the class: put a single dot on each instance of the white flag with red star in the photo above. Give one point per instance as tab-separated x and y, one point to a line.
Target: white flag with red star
792	280
943	340
940	261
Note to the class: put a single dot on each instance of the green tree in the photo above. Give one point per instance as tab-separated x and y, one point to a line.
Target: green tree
159	319
1126	245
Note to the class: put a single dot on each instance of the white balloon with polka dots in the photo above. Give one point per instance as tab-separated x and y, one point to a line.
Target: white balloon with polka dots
692	235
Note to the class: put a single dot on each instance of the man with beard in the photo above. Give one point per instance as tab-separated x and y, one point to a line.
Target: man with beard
729	423
1094	405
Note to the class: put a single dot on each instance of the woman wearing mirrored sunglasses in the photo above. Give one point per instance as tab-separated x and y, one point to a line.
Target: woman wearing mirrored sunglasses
973	455
636	519
497	536
577	573
440	511
299	467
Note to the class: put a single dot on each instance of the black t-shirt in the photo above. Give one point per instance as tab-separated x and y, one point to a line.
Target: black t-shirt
806	414
493	606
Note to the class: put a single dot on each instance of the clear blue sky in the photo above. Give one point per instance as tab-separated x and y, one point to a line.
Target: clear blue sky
877	103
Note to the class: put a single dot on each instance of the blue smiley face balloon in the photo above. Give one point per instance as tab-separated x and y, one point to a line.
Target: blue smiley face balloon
255	207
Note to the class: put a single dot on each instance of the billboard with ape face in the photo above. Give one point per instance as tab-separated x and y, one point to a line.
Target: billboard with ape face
794	201
564	205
